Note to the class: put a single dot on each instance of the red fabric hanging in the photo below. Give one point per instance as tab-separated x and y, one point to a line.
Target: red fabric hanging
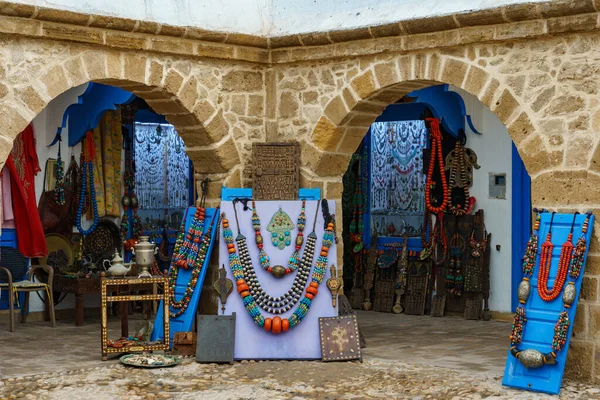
23	165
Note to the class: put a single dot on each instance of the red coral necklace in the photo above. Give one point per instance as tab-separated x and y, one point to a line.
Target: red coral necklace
566	252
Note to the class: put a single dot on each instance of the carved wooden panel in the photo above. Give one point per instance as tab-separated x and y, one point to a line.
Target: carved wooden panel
339	338
416	290
384	296
276	173
438	305
473	306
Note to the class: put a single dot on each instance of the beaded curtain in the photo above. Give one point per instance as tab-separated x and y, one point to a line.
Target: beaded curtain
397	178
162	167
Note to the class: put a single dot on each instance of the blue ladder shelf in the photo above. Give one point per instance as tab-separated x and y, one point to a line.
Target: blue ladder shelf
185	321
542	316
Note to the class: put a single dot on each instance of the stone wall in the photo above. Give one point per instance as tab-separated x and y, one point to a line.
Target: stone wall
536	67
217	107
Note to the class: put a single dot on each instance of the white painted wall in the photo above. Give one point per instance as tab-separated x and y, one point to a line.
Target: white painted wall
494	152
272	17
324	15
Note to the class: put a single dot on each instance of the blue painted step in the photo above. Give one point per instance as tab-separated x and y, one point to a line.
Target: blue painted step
230	194
184	322
542	316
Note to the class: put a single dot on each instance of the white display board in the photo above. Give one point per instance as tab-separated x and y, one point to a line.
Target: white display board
252	341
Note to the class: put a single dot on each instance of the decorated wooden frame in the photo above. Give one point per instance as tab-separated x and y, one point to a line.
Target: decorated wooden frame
111	282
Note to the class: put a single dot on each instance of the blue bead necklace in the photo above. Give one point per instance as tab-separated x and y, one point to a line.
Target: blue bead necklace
87	168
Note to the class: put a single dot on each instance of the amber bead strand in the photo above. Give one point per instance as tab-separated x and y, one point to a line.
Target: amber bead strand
436	153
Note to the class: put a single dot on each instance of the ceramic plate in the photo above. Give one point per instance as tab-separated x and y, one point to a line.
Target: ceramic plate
125	360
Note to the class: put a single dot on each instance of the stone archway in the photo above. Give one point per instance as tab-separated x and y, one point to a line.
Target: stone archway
182	91
544	93
348	115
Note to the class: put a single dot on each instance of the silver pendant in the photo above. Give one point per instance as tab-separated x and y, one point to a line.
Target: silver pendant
524	290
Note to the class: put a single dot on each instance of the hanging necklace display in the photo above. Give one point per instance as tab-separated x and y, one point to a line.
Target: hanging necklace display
280	226
357	224
59	174
81	187
128	197
460	162
401	277
189	253
436	155
278	271
566	253
478	248
277	325
531	358
431	203
455	278
281	304
87	168
129	177
474	267
186	255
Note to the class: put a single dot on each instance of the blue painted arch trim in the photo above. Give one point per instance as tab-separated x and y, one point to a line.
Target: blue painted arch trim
87	112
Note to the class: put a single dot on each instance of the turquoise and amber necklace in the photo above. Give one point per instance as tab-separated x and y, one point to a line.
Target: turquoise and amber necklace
278	271
276	325
285	302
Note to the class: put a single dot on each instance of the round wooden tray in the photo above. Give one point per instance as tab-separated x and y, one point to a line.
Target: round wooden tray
125	360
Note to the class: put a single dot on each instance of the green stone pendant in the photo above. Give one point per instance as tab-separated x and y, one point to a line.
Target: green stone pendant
280	228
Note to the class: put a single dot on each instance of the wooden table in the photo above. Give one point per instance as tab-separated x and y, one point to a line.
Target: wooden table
79	287
125	285
83	286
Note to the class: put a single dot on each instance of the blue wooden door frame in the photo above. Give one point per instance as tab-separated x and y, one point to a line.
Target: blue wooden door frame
521	220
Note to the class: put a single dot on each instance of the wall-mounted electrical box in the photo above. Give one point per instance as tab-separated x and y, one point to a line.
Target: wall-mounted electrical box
497	186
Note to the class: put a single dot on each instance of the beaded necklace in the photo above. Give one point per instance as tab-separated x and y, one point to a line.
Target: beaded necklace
279	271
284	303
455	279
566	253
531	358
459	166
85	188
87	168
357	224
129	184
190	252
436	154
59	186
427	225
478	248
277	325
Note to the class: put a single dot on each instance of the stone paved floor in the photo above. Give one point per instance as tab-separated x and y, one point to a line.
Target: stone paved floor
449	342
407	357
